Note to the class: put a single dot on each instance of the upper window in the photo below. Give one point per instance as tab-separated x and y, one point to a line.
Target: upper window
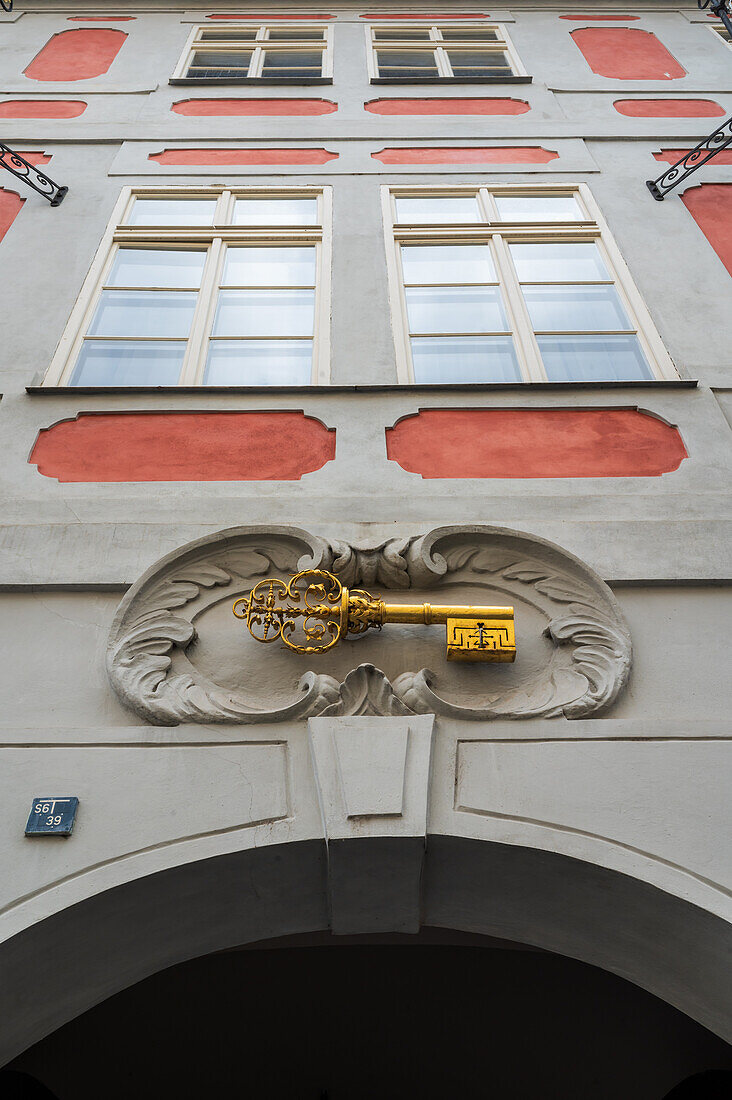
204	288
458	52
722	31
513	284
239	52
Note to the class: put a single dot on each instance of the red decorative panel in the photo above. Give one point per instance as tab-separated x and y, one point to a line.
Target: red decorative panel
668	108
10	205
267	17
626	53
710	205
42	108
77	55
221	107
430	16
168	446
35	158
520	443
101	18
518	154
670	156
603	18
243	156
433	106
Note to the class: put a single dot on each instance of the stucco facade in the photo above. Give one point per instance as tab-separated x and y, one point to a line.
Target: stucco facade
598	831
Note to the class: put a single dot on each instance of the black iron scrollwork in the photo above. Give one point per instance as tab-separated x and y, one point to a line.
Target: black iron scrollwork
7	5
25	171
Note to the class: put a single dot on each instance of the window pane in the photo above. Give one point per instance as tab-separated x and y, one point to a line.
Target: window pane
292	63
535	208
465	263
424	211
265	313
143	313
149	267
295	34
575	308
122	363
172	212
479	63
472	34
269	267
276	212
465	359
220	64
593	359
406	63
259	363
248	34
455	309
401	34
557	263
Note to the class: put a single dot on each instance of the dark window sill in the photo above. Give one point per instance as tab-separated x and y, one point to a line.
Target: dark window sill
465	387
449	80
306	82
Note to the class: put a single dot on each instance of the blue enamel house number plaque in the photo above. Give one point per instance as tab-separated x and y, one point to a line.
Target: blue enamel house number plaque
52	816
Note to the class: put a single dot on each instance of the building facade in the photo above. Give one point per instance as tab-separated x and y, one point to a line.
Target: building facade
376	290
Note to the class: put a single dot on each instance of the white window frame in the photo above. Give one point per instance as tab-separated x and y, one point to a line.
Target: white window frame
594	228
258	48
213	239
444	70
717	30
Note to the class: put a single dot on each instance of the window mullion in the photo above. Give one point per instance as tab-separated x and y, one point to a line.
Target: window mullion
257	62
523	332
194	360
443	64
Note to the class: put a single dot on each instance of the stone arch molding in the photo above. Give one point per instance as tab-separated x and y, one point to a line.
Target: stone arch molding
176	654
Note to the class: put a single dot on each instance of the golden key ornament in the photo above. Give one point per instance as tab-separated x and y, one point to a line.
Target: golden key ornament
313	611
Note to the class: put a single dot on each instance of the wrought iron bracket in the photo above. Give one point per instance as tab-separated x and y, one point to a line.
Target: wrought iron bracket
710	146
7	5
25	171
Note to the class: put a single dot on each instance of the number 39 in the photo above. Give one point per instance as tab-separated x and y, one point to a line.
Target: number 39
51	820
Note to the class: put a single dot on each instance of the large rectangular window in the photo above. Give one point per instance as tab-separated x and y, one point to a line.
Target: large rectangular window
459	52
205	288
241	53
513	284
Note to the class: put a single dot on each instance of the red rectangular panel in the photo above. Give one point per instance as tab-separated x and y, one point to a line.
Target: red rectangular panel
433	106
243	156
626	53
517	154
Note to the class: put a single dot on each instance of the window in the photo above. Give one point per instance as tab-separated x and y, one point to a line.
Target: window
461	53
239	53
721	30
208	287
513	284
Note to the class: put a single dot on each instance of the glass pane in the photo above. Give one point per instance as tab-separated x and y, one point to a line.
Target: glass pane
401	34
143	313
259	363
149	267
455	309
593	359
558	263
292	63
269	267
465	359
276	212
119	363
478	63
221	63
463	263
295	34
248	34
172	212
265	313
575	308
424	211
471	34
538	208
406	63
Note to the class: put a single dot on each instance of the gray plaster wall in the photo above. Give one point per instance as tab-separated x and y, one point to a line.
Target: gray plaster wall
630	807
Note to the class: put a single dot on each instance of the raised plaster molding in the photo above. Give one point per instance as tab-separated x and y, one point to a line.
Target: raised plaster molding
176	654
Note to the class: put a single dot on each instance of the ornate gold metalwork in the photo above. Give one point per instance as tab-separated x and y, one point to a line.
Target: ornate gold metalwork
313	611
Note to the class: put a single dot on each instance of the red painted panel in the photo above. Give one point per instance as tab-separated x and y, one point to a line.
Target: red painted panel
433	106
603	18
668	108
10	205
670	156
267	17
520	443
518	154
77	55
243	156
167	446
430	16
101	18
35	158
710	205
626	53
222	107
42	108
